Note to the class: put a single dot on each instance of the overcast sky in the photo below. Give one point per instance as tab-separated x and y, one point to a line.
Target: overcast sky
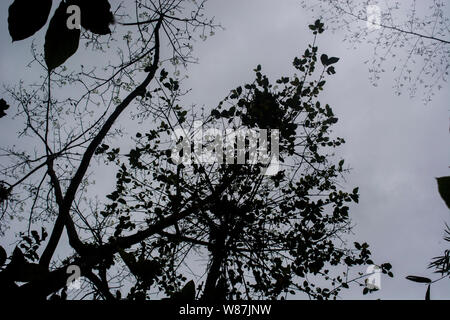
395	144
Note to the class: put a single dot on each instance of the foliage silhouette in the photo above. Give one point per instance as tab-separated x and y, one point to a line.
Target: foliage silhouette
262	236
60	42
96	15
27	17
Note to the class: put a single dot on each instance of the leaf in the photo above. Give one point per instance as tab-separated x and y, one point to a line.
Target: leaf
328	61
331	70
427	295
44	234
324	59
96	16
60	42
3	256
3	107
215	113
35	235
444	189
332	60
187	293
386	266
418	279
27	17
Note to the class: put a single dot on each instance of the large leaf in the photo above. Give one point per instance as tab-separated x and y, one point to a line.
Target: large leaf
27	17
96	16
418	279
444	189
60	42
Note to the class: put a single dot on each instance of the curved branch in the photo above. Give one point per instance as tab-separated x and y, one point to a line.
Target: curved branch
89	153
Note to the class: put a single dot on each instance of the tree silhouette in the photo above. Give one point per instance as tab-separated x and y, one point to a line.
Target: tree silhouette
262	235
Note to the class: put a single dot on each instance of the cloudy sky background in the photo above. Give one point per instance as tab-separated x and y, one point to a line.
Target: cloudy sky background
395	144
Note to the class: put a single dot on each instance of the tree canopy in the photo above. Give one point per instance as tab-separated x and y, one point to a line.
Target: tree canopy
197	230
